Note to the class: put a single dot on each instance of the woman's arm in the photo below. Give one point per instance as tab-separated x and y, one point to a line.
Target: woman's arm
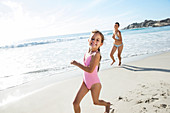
114	37
93	63
120	36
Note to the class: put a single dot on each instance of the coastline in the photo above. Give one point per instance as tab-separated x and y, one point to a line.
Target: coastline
139	83
149	23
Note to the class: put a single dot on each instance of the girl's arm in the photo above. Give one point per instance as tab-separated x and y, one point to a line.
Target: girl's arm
93	63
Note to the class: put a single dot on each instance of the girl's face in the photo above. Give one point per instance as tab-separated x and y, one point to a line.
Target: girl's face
95	41
116	26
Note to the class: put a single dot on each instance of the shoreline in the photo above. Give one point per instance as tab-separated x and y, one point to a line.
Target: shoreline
131	76
32	87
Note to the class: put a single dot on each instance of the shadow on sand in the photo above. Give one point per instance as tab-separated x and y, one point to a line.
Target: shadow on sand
137	68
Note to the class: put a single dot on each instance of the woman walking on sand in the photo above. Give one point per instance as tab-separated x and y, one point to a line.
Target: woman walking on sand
91	80
118	44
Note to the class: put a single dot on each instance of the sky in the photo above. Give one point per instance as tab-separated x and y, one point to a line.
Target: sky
24	19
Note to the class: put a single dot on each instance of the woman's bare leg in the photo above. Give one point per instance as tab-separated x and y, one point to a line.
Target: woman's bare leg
95	92
119	54
112	53
81	93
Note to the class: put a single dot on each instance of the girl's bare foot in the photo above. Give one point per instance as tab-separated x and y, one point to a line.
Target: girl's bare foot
107	108
112	62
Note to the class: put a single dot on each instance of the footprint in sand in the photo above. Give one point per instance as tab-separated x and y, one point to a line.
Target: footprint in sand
144	110
155	94
147	100
163	105
139	102
168	92
125	99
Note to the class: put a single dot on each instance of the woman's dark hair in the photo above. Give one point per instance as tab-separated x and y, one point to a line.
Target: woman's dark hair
102	41
117	23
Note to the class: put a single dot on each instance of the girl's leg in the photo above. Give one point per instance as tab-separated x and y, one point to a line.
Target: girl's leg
119	54
95	92
81	93
112	53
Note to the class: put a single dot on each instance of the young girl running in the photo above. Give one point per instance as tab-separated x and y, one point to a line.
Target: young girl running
91	80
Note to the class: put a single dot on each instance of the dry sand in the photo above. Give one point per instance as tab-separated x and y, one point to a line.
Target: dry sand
137	87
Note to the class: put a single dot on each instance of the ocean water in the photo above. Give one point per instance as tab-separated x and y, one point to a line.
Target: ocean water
35	59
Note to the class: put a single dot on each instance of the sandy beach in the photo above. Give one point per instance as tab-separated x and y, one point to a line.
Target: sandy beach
141	86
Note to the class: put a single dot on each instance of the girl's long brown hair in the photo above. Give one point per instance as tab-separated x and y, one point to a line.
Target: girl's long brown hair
102	41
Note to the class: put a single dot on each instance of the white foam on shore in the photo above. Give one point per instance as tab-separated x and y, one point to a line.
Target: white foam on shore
18	92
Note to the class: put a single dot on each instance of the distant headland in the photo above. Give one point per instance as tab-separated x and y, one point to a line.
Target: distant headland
149	23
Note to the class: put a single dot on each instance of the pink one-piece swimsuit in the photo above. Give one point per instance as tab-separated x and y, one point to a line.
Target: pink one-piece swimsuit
90	78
